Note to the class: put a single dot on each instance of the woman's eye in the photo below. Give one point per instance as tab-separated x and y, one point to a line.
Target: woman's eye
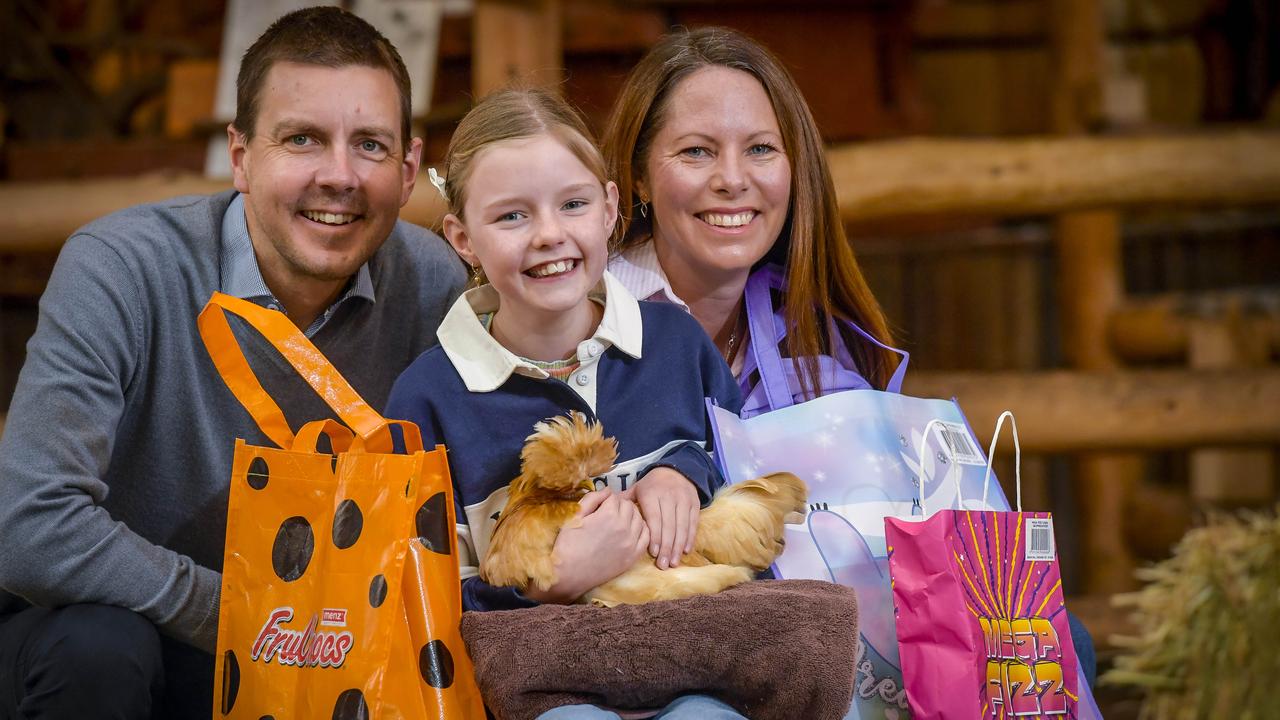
762	149
696	152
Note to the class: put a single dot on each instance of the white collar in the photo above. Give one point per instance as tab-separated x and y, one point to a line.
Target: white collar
638	269
484	364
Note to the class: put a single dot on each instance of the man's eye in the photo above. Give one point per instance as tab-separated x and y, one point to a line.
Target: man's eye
370	146
298	140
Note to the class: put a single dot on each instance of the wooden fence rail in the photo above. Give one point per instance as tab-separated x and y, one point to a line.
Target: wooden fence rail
1071	411
873	180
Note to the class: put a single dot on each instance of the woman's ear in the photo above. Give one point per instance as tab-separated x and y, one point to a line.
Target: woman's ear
642	190
456	233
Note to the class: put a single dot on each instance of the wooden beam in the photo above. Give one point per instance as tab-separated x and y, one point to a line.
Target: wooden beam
874	181
516	42
1068	411
1231	477
1035	176
1159	328
1090	287
38	217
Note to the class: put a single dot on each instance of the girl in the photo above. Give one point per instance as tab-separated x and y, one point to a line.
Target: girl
548	332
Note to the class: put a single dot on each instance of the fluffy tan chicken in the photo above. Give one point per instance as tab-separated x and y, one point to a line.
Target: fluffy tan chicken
739	533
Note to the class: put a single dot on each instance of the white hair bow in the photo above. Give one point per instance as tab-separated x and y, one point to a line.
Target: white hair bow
438	182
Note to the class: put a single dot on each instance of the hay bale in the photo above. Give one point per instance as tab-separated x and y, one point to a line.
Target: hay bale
1209	624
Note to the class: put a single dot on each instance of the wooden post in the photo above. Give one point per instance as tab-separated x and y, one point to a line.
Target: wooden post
516	41
1234	477
1090	288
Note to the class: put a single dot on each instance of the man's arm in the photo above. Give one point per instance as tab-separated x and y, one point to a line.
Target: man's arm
60	545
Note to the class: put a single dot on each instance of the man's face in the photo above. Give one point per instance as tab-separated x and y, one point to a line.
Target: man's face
325	174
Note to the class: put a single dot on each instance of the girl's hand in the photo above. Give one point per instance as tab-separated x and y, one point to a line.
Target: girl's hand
669	503
604	539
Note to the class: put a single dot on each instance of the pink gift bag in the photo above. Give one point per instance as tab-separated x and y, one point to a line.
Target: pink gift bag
981	623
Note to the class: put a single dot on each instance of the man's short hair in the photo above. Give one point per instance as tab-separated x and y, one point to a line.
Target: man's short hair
326	36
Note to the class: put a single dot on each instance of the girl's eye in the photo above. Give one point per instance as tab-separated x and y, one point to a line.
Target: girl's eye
574	204
509	217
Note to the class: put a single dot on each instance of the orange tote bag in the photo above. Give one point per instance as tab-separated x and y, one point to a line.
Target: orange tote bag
340	590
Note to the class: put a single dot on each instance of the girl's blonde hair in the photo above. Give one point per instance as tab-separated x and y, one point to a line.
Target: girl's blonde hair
509	115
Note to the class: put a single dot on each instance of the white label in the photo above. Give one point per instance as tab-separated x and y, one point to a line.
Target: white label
960	444
1040	539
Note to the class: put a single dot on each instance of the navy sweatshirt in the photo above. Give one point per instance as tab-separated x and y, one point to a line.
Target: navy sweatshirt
645	374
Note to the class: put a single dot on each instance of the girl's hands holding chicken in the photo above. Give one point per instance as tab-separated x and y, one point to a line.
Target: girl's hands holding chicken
669	503
605	538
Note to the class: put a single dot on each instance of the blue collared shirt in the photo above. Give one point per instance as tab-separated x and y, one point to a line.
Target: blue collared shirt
242	278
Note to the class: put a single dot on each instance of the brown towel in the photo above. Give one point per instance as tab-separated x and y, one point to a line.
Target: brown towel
770	648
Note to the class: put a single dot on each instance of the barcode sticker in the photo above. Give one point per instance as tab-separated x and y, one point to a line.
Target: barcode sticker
1040	539
960	444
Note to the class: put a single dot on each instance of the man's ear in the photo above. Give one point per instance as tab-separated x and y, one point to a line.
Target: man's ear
238	148
456	233
410	166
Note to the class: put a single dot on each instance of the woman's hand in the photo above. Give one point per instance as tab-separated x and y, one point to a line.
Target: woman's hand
669	503
604	539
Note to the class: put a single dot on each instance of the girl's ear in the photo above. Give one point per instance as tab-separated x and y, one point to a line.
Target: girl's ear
611	207
456	233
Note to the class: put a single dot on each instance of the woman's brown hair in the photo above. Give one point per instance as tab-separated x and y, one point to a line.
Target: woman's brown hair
822	273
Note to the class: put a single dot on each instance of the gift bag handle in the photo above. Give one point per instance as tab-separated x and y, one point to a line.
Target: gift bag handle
340	436
924	445
229	358
765	336
380	440
1017	456
991	454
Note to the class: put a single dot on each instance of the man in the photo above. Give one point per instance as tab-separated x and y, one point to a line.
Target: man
116	458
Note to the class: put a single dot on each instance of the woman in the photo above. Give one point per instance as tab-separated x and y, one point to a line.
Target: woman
721	173
729	209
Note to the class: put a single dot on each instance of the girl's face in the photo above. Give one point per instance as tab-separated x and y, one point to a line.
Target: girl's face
717	174
538	221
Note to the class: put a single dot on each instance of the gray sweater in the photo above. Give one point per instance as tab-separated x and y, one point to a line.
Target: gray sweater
116	457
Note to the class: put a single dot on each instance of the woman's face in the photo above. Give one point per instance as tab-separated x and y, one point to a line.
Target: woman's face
717	175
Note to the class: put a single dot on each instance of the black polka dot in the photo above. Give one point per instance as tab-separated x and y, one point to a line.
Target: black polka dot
350	706
348	521
257	475
230	681
293	547
433	524
435	662
377	591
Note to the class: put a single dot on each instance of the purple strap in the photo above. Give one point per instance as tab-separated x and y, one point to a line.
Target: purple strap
766	333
